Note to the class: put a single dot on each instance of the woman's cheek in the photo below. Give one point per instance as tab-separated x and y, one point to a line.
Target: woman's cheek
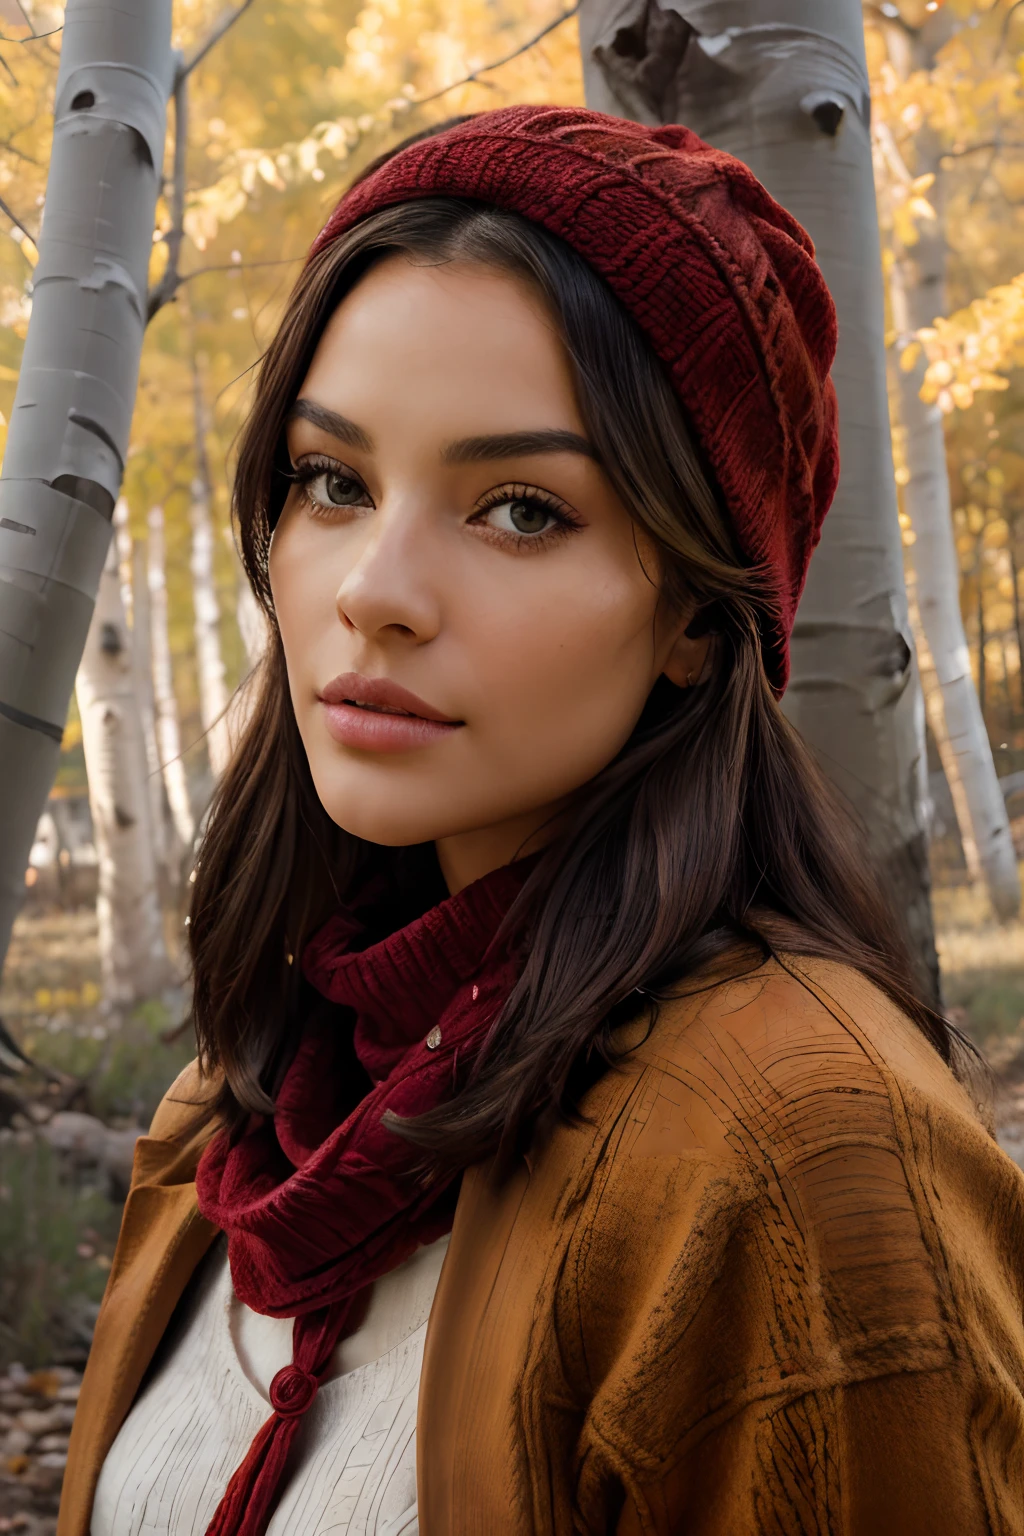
561	691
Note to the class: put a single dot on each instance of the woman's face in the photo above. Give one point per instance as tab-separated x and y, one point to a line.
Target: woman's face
470	618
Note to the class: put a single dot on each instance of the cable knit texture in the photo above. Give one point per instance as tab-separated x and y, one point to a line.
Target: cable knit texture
721	279
317	1203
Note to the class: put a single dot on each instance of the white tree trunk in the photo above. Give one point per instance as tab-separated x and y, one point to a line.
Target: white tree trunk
72	411
133	956
213	690
165	841
918	293
135	601
784	87
936	714
168	733
252	626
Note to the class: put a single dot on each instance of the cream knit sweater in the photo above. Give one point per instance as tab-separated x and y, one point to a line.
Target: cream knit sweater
207	1395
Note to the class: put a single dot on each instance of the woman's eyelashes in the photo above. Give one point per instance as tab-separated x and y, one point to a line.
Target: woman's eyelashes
524	515
514	515
328	487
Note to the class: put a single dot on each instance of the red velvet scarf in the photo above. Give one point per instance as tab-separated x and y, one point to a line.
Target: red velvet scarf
318	1204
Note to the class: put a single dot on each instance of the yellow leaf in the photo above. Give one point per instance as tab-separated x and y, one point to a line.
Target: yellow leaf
909	356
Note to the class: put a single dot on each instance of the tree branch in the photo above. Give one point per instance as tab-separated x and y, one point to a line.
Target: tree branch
471	79
168	284
172	279
973	149
1007	21
12	149
34	38
17	224
225	24
239	266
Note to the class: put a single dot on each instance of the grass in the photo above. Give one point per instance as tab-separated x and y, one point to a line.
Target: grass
982	963
56	1239
58	1227
126	1066
50	1001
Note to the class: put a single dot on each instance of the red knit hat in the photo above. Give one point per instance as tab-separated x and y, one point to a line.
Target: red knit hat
721	279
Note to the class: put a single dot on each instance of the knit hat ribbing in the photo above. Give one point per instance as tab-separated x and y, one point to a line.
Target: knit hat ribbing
721	279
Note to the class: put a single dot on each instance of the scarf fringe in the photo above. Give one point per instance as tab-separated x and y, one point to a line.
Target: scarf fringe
249	1498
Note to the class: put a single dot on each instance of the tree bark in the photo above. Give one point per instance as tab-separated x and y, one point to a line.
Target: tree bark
252	626
213	690
982	636
168	733
918	294
789	95
72	411
936	714
135	600
133	957
1017	623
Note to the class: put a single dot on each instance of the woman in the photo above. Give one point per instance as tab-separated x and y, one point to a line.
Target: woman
524	916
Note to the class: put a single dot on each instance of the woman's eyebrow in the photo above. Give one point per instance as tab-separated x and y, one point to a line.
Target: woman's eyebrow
467	450
330	421
515	445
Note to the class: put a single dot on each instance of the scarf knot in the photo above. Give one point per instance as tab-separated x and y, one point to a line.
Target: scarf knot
292	1391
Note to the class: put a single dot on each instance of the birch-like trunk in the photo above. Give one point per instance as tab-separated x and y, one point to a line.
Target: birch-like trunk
135	601
252	626
784	87
72	412
917	290
133	957
165	839
213	689
168	733
932	690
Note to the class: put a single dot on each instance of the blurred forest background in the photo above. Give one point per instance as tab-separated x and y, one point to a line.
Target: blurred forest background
289	103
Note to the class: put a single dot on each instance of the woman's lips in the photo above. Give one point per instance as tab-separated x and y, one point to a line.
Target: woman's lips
377	715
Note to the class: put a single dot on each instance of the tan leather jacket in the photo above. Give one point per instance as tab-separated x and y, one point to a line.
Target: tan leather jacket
774	1285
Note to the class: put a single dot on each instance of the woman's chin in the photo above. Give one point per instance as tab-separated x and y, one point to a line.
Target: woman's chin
391	824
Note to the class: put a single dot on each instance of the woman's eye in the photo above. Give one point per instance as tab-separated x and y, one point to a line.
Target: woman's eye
332	489
521	515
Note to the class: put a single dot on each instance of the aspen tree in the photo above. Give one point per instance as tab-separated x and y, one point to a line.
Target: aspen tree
214	696
133	957
168	733
68	433
784	87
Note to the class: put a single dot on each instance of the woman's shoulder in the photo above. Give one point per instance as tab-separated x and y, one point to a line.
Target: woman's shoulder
791	1135
184	1103
793	1055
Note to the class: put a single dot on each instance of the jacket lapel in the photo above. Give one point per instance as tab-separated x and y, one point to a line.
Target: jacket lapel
163	1238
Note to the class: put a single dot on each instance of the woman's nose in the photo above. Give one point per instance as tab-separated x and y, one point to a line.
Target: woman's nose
388	588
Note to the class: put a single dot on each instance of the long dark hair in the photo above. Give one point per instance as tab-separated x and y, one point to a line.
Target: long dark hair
712	829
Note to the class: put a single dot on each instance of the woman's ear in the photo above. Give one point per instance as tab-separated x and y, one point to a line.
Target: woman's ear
687	660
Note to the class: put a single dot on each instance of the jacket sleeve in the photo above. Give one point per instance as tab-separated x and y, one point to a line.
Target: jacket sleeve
815	1327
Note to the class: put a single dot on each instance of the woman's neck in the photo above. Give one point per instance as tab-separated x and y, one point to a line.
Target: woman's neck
468	856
